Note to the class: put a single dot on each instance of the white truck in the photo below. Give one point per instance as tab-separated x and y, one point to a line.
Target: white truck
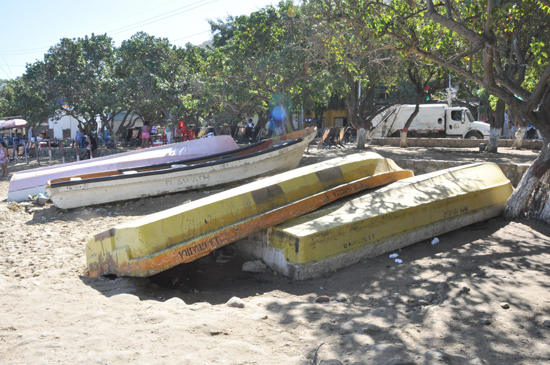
432	120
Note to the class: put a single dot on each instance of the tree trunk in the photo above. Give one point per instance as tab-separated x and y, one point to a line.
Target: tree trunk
545	213
518	139
497	122
539	207
518	203
403	138
519	130
494	137
361	140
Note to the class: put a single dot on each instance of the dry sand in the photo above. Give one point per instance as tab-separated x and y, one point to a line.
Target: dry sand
479	296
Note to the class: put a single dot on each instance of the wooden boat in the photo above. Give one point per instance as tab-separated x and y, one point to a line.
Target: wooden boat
32	182
392	217
263	158
183	234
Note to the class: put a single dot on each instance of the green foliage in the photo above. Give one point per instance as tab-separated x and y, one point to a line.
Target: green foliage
7	98
255	59
353	52
147	68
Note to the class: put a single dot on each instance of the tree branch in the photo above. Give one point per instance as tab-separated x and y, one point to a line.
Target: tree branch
487	27
453	25
441	61
449	9
538	92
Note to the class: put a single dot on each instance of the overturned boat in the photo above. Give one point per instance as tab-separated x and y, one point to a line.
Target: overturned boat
183	234
32	182
397	215
259	159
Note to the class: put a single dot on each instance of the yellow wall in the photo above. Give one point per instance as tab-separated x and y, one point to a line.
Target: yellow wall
330	115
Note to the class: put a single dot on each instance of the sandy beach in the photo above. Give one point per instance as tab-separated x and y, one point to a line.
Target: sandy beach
479	296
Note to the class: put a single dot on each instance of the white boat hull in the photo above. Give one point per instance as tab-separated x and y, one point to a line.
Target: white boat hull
32	182
176	179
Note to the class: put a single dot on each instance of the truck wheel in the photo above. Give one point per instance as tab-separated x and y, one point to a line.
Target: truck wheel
474	135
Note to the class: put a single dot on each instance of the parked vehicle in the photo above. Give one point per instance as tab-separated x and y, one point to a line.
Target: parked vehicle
432	120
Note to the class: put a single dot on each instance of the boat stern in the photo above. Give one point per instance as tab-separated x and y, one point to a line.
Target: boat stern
105	257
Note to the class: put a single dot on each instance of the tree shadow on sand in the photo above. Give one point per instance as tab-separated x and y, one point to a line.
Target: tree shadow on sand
453	289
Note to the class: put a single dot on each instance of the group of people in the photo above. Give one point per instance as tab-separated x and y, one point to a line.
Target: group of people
179	132
147	134
89	142
250	131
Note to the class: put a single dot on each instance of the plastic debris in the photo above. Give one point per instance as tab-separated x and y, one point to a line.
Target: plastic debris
394	255
435	241
39	199
399	261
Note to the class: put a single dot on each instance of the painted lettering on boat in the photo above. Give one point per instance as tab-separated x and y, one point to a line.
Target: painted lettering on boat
193	250
366	239
187	180
216	242
455	211
349	244
345	191
74	187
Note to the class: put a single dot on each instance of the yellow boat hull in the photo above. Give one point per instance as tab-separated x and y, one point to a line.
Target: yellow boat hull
392	217
183	234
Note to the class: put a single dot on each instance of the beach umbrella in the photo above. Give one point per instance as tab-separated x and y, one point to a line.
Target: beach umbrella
13	123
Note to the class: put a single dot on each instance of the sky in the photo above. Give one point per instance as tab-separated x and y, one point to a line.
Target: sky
29	28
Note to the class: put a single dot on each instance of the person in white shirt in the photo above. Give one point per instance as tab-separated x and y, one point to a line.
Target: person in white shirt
248	130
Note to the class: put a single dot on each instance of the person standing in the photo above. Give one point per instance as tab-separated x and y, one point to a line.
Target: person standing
152	135
4	158
78	137
270	127
248	130
226	130
91	146
168	131
145	136
107	137
182	132
347	135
